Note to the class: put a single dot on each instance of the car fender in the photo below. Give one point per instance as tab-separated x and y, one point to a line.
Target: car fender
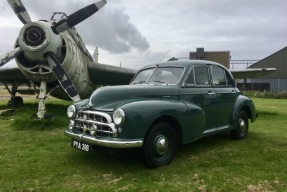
243	103
141	115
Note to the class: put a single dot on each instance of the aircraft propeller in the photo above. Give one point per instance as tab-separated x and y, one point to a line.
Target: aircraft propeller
9	56
20	11
62	76
77	17
61	26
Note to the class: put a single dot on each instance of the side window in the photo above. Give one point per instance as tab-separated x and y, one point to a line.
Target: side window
220	77
230	81
190	79
201	75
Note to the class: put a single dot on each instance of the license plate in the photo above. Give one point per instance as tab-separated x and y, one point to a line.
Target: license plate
80	146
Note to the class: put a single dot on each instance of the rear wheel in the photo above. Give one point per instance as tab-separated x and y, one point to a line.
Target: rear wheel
160	145
242	127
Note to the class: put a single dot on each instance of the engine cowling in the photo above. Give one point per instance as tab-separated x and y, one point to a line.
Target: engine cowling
36	39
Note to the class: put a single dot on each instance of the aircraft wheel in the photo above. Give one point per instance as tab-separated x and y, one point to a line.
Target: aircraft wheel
16	102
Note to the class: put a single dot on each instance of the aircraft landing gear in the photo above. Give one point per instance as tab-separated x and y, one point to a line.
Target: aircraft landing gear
15	101
42	96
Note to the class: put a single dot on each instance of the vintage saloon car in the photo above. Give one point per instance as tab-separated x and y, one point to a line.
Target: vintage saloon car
165	104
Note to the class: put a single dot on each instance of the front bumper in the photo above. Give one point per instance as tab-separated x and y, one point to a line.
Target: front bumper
105	142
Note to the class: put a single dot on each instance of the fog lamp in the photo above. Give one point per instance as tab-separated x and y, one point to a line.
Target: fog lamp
71	125
93	129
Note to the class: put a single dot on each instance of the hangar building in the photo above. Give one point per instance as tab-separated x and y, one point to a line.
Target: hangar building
274	82
278	79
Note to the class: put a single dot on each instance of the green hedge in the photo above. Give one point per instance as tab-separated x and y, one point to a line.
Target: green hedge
259	94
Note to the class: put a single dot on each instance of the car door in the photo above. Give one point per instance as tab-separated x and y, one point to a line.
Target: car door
197	89
226	95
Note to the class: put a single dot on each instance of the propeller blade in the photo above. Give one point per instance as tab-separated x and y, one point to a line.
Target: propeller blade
77	17
20	11
62	77
9	56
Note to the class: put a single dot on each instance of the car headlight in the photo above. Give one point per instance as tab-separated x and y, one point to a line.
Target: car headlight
119	117
71	111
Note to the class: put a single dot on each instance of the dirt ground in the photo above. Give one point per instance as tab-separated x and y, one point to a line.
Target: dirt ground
4	94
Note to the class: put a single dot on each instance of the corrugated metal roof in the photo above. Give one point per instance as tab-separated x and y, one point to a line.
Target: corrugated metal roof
276	60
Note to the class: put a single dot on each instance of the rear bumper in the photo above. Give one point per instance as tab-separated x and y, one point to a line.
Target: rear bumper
105	142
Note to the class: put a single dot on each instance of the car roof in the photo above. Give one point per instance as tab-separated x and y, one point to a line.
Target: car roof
182	63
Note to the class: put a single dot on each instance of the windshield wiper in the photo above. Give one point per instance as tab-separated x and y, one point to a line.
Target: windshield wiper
139	82
159	81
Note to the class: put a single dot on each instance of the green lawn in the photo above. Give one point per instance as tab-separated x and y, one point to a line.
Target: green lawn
36	156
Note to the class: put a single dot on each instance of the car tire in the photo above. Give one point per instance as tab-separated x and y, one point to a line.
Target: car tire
242	126
160	145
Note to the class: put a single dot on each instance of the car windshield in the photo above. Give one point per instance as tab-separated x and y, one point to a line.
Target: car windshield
159	75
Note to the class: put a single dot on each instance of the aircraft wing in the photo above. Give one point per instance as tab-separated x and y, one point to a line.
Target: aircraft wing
102	74
11	72
251	73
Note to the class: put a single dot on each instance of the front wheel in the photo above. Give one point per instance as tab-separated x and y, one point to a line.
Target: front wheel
160	145
242	126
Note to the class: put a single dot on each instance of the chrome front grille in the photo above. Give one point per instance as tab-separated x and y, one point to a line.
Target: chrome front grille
85	121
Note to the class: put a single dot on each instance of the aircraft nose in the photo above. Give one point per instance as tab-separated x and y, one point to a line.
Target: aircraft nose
37	38
34	36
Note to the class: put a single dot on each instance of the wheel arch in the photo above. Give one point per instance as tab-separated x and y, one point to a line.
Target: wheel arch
247	109
144	114
246	104
171	121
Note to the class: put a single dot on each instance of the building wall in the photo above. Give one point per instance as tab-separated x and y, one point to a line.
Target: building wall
276	85
222	57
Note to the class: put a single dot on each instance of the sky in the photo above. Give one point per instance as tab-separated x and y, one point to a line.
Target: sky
135	33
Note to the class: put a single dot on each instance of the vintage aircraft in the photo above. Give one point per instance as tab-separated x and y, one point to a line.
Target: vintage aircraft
52	55
52	58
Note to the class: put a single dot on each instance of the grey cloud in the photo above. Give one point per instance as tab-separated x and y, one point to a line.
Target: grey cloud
114	32
249	29
110	28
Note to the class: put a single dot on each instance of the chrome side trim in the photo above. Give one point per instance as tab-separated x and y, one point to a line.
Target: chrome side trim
105	142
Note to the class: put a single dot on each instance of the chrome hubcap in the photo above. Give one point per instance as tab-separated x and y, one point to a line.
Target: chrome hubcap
161	145
242	124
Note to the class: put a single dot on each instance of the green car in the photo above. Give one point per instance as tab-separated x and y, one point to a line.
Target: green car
166	104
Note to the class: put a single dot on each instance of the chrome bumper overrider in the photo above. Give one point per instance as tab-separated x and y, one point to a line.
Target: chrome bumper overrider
105	142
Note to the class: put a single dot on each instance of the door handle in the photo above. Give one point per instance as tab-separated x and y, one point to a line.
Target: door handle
211	93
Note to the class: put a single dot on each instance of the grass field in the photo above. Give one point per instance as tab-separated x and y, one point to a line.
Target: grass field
36	156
